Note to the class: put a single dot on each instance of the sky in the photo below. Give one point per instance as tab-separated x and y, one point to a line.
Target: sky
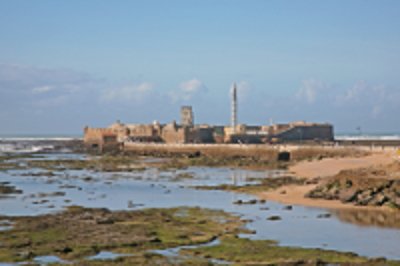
68	64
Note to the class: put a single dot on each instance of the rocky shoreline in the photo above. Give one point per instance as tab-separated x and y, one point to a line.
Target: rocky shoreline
374	186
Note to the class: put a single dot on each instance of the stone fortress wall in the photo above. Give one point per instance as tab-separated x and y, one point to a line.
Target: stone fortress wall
119	134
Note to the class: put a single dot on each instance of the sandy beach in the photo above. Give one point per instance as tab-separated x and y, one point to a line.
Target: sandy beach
294	194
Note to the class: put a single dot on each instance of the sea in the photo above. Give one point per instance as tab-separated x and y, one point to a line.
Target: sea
35	143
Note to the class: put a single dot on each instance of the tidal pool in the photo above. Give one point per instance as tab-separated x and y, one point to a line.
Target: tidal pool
300	226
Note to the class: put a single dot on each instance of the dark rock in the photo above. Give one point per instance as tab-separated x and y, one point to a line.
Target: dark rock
26	255
105	221
155	240
195	154
239	202
324	216
87	179
274	218
66	250
253	201
288	208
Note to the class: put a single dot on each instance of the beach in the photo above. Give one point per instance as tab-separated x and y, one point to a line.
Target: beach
322	169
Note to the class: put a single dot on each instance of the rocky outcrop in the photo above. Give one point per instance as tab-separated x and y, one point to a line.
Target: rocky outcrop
363	187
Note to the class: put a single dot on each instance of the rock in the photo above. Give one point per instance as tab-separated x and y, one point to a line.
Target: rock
288	208
58	194
274	218
348	195
105	221
195	154
364	198
87	179
253	201
239	202
396	202
380	199
26	255
349	183
66	250
324	216
155	240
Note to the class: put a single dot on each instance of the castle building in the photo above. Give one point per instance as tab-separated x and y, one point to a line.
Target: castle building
118	133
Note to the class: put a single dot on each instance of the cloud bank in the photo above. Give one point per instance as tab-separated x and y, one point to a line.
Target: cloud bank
39	100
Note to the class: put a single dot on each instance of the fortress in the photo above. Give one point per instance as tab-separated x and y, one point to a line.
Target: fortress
118	134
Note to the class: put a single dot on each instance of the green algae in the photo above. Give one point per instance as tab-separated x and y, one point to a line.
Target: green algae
262	185
80	232
241	251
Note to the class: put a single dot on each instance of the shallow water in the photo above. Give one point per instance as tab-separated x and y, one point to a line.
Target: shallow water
106	255
153	188
173	253
43	260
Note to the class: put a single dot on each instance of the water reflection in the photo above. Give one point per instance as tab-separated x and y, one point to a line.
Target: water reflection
368	217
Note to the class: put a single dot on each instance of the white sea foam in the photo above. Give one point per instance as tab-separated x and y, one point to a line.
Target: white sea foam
38	138
29	144
17	148
367	137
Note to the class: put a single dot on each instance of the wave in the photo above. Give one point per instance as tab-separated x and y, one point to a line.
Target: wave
17	144
368	137
16	139
11	148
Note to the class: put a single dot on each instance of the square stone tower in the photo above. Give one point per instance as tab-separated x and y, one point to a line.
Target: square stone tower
187	116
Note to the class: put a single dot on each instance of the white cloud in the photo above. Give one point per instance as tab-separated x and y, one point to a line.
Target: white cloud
42	89
310	90
243	89
56	101
374	99
362	92
133	92
354	92
191	86
188	90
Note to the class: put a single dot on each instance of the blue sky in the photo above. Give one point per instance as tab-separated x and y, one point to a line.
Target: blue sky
67	64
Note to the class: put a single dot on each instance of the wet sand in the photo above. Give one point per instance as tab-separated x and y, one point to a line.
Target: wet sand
294	194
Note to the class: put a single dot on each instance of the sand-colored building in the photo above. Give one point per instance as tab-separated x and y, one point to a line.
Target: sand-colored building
187	131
